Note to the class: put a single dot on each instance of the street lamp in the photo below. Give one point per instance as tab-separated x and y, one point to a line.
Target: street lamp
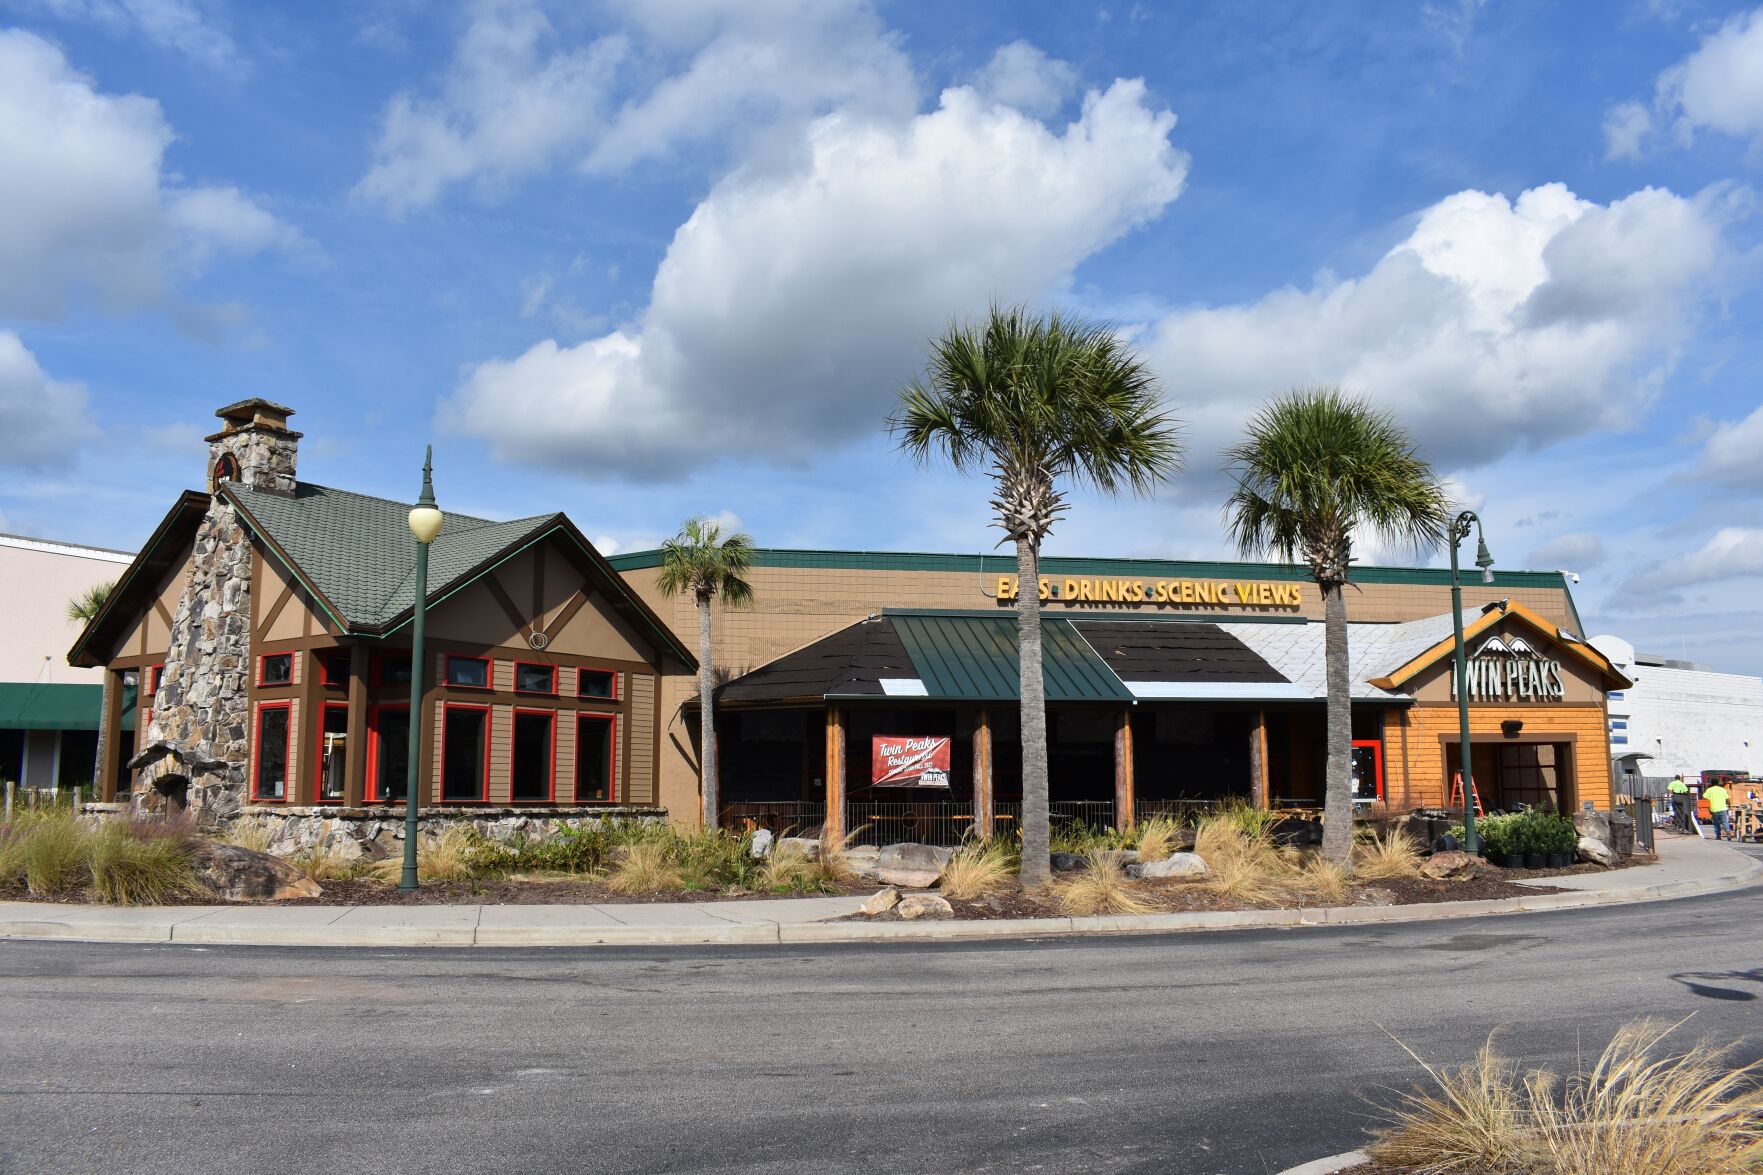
1460	531
425	524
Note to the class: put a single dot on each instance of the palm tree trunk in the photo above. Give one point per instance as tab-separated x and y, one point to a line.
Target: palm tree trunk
706	717
1036	834
1337	805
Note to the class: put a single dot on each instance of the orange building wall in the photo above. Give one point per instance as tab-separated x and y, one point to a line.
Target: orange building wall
1414	757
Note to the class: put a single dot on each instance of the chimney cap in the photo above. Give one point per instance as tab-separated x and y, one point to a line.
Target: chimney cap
254	413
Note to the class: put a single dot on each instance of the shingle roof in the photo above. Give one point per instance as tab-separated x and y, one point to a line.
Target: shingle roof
356	552
1296	651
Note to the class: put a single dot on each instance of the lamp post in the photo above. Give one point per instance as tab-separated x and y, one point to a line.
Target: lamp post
425	524
1460	531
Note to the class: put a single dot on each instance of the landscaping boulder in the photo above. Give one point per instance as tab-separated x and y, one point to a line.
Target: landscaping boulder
1593	826
807	846
1295	831
911	865
761	844
924	905
882	902
1621	840
243	875
863	860
1596	851
1068	862
1453	866
1175	865
1121	857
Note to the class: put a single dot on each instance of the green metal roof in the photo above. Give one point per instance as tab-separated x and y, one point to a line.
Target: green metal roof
974	658
36	706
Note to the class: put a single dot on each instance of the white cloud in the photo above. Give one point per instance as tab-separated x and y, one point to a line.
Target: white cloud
1022	76
1576	551
1496	325
790	307
178	25
1733	453
84	201
1719	87
41	419
1734	552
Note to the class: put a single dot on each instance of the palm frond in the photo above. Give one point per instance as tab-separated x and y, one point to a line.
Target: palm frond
705	563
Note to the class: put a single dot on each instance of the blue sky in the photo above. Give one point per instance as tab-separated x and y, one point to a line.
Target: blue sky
639	261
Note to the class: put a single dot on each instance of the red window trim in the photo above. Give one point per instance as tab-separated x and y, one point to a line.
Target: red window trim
514	750
263	660
533	693
612	673
489	736
145	718
1376	745
318	756
489	672
611	721
257	749
324	657
373	751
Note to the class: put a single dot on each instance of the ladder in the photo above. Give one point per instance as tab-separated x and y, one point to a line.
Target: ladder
1457	793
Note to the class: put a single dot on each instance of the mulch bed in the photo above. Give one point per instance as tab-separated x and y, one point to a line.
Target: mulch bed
526	891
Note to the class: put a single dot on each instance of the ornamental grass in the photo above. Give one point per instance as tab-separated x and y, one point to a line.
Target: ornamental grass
1640	1107
1158	838
1101	887
980	870
645	868
141	864
452	856
1387	855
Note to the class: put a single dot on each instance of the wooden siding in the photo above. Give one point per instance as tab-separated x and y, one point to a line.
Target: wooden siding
1415	748
637	738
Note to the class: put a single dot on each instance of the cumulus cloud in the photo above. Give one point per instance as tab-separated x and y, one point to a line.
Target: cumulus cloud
1719	88
1734	552
84	201
1733	452
177	25
1577	551
1495	325
1020	75
519	97
41	419
790	306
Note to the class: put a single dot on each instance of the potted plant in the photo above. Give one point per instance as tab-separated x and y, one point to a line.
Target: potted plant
1532	839
1563	842
1497	835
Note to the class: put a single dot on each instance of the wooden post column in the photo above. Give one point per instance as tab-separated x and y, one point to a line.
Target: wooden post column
983	823
1123	781
110	748
1258	760
835	775
355	732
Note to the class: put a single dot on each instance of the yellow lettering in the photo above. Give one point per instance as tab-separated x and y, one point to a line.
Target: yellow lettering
1006	588
1245	593
1083	589
1046	588
1138	592
1110	591
1186	591
1297	592
1068	591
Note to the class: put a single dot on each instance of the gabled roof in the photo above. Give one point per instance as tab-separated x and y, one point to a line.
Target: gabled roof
1571	646
973	657
164	550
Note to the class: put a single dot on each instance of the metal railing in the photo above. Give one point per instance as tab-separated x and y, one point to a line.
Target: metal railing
1642	811
782	817
926	823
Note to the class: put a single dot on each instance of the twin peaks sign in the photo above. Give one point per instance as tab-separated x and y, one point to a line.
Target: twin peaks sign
1512	670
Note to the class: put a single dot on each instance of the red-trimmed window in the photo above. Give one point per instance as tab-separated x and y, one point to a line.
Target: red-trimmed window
333	668
331	768
535	679
596	737
533	768
597	683
269	759
275	669
388	753
468	672
391	669
465	754
144	696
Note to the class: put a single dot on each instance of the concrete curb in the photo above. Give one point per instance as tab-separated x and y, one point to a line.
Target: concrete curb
463	926
1330	1165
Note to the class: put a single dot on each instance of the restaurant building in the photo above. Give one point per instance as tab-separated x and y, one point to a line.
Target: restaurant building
265	628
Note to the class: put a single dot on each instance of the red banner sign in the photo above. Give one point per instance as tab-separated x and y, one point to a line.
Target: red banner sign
909	761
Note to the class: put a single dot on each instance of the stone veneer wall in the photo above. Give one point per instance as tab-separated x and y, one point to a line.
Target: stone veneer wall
376	833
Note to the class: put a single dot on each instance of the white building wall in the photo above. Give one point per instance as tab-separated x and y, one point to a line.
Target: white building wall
1688	720
37	579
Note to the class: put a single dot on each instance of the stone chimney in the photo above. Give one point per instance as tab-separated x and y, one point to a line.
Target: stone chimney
197	749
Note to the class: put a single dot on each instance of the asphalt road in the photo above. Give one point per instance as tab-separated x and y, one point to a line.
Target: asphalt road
1240	1052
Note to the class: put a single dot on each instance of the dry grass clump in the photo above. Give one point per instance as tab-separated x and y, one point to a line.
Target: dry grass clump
979	871
448	857
250	834
49	853
1638	1108
1324	881
140	865
1389	854
645	867
790	869
322	864
1243	864
1102	887
1158	838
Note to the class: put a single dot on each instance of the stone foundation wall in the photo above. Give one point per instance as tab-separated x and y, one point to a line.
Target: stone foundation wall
377	833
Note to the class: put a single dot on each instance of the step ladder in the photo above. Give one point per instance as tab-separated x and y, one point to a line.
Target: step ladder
1456	803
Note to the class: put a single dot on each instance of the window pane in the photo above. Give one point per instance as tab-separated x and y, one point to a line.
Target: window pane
333	753
272	753
532	757
593	760
468	671
279	669
597	683
335	668
535	679
395	670
392	758
463	748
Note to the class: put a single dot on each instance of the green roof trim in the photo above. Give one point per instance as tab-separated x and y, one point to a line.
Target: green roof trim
28	705
1078	565
974	658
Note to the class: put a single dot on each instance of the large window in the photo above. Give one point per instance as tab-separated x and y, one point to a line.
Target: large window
333	753
594	735
465	746
388	753
534	679
392	669
534	761
597	683
275	669
468	672
270	779
333	668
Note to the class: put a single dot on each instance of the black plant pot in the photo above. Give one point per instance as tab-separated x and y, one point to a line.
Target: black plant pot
1535	860
1559	860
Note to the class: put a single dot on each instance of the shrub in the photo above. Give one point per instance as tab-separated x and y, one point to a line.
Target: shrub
1080	838
978	871
1638	1108
135	865
1387	855
54	854
1101	888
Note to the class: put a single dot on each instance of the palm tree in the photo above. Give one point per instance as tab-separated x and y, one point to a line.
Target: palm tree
1315	466
703	562
1036	402
86	605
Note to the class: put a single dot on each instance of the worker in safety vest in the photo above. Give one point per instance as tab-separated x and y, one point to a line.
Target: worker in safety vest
1718	802
1680	802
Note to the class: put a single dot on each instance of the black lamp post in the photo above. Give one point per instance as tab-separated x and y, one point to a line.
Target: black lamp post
1460	531
425	524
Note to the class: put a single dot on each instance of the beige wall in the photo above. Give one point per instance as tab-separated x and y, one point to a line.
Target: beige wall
37	579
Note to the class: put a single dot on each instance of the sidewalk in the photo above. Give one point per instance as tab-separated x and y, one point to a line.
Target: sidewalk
1686	867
